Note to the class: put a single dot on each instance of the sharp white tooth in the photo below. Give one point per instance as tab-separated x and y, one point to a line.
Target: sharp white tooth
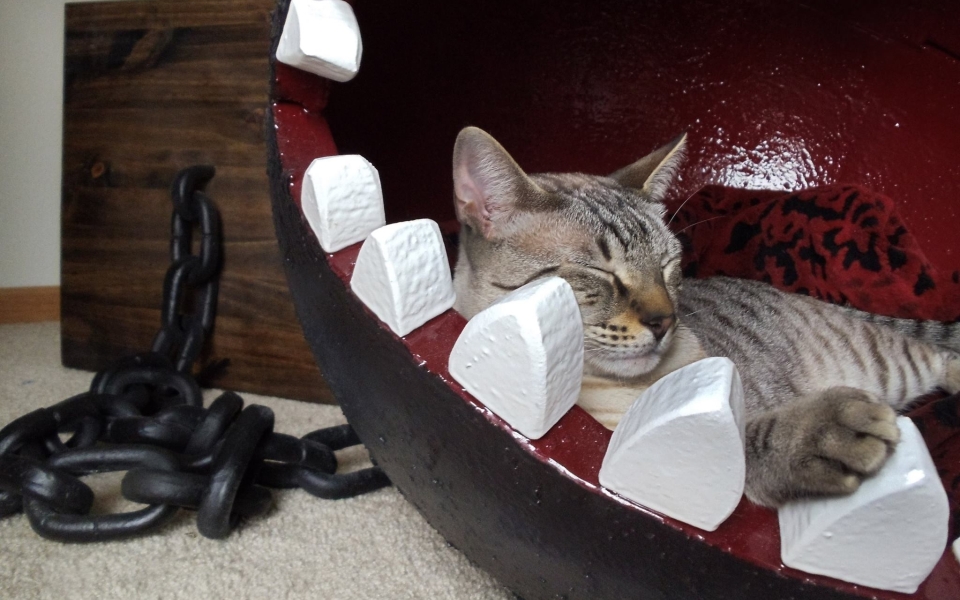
889	534
321	37
679	449
342	200
403	276
522	357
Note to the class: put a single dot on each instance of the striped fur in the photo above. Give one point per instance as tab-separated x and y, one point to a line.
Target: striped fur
946	335
822	382
789	345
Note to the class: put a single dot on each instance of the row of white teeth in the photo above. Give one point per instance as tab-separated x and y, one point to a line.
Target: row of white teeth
680	448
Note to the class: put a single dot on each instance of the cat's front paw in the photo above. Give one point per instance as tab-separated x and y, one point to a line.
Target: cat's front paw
821	446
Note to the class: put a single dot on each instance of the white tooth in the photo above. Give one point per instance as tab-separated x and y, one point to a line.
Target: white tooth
321	37
889	534
342	200
679	449
403	276
532	376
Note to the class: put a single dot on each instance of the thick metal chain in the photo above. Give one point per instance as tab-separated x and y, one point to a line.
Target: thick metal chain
182	333
144	415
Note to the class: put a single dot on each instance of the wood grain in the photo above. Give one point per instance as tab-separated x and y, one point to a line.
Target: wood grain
29	304
152	87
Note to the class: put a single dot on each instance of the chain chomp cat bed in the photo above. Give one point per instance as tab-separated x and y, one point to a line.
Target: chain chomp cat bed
530	511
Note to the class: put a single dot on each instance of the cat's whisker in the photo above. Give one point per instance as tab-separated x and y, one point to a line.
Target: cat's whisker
699	222
679	208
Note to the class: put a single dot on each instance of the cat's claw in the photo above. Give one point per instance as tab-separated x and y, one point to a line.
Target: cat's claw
822	446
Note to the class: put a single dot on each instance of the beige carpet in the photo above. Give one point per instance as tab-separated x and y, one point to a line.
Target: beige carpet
374	546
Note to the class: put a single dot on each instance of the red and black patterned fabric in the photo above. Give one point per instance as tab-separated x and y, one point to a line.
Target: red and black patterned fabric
842	244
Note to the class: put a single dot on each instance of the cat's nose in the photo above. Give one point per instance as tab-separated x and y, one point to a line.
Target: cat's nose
658	325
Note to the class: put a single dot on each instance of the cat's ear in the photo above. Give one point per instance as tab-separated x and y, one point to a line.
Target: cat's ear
654	173
488	185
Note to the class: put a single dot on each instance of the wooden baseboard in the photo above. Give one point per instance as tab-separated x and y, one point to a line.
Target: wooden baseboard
29	304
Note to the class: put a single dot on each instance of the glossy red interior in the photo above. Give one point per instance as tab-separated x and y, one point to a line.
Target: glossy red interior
774	94
777	95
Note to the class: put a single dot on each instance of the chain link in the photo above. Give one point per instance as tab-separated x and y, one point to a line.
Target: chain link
144	415
183	332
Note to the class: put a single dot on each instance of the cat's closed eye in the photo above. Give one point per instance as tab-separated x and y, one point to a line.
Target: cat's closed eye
604	273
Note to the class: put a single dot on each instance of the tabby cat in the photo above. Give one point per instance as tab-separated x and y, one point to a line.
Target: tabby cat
821	381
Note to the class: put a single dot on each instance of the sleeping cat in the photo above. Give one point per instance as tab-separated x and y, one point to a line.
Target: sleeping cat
821	381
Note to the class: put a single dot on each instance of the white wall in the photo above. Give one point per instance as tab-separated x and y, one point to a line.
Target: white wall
31	128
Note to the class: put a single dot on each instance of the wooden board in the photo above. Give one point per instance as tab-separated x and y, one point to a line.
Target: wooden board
29	304
152	87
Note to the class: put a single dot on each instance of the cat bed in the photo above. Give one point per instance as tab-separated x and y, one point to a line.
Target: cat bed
532	512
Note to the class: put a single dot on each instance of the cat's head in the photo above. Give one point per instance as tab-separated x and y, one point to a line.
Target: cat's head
605	236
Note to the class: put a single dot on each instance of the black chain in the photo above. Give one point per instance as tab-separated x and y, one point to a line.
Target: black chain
144	415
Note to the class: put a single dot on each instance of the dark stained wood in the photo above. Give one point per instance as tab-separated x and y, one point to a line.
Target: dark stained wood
152	87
